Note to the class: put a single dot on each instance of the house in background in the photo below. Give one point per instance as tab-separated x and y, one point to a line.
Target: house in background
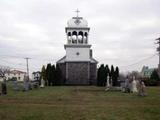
36	76
14	74
146	71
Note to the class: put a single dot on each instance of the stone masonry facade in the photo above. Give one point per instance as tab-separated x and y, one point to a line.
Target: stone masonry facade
79	73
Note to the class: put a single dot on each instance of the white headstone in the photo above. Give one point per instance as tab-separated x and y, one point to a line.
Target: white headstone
107	84
134	85
42	83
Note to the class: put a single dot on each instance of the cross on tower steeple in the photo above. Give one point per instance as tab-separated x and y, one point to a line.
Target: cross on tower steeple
77	11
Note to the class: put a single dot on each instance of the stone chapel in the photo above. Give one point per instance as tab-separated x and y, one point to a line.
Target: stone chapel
78	65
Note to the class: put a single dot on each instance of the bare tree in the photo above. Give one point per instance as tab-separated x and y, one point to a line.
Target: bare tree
3	71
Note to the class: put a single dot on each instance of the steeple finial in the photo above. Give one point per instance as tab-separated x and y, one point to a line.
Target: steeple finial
77	11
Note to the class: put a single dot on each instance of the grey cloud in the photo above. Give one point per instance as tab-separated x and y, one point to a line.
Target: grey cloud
122	31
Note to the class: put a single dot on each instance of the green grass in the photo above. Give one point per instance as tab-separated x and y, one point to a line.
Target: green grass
79	103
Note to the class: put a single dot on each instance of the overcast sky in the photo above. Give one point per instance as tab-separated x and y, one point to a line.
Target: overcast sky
122	31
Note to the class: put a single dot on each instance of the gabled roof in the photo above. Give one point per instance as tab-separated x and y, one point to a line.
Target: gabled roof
38	72
17	72
93	60
62	60
147	69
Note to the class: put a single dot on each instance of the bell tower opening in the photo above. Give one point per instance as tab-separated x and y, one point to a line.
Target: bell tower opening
74	37
80	37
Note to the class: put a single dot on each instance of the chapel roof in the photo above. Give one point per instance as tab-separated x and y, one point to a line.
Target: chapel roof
77	22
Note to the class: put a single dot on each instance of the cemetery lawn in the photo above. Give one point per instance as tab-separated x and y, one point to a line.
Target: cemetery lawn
79	103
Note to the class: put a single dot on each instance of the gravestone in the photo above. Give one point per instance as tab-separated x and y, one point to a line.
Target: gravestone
26	83
4	87
107	84
141	89
42	83
127	85
15	85
134	86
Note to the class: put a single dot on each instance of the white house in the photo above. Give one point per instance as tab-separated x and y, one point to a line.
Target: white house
36	75
146	71
16	74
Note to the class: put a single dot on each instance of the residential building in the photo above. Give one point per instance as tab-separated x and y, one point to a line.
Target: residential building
14	74
146	71
36	76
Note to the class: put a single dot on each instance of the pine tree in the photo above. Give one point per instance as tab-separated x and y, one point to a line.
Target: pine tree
48	74
117	71
112	71
53	72
107	70
98	76
43	74
101	77
154	78
112	74
116	75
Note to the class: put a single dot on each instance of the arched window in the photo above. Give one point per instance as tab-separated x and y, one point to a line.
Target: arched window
69	37
74	33
80	33
86	37
74	37
80	37
86	34
69	33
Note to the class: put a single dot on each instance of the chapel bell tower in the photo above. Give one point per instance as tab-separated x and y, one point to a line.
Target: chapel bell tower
78	66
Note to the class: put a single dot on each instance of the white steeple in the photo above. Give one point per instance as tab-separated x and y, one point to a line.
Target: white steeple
77	31
77	46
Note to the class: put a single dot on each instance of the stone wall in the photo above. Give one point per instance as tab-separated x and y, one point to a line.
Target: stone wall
63	70
93	74
79	73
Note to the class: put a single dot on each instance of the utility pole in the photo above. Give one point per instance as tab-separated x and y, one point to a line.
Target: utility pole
158	49
27	66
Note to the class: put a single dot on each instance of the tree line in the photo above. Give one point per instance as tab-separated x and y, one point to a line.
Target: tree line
52	75
104	71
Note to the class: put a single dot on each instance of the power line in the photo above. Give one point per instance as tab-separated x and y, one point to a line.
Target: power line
19	64
139	61
20	57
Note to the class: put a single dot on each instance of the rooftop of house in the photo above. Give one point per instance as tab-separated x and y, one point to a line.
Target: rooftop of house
146	68
17	72
38	72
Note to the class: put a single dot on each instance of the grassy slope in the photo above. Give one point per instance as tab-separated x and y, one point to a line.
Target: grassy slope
79	103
